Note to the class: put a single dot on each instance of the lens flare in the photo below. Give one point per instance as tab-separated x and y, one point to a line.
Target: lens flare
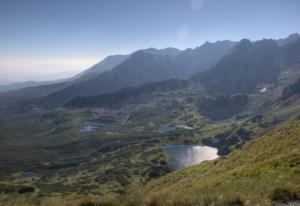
197	4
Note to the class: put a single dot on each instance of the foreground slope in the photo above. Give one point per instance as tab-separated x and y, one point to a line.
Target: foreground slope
255	174
264	172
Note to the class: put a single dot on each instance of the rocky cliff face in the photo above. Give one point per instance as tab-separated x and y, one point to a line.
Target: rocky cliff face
247	65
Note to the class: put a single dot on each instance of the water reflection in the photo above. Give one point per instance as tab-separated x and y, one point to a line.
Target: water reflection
180	156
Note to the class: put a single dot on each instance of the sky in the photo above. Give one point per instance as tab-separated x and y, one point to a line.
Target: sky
44	39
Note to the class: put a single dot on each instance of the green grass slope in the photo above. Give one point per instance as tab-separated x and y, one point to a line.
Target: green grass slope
263	171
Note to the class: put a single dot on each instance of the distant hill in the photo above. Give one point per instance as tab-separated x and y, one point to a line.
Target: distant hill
21	85
4	82
35	91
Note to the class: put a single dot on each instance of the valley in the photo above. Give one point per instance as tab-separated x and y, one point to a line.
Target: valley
94	140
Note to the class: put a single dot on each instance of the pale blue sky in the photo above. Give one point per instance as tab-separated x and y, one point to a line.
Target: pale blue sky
54	36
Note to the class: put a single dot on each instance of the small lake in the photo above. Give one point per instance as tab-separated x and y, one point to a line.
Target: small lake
181	156
167	128
92	125
88	127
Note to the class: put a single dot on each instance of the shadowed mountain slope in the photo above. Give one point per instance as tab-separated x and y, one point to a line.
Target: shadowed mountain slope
242	70
143	67
106	64
130	95
249	64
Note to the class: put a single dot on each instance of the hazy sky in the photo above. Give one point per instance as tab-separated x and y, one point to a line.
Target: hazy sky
41	37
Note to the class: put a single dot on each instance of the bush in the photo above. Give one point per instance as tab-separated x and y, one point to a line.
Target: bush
233	201
26	189
284	195
88	203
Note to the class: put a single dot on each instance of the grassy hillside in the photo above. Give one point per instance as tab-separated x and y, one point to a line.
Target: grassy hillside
265	169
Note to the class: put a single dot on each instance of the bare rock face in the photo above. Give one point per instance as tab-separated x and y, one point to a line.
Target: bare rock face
291	90
247	65
222	107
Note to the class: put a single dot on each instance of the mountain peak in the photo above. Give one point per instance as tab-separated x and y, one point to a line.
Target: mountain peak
290	39
169	51
294	35
243	44
266	44
238	71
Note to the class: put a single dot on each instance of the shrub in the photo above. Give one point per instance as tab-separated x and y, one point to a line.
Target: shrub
26	189
235	201
284	195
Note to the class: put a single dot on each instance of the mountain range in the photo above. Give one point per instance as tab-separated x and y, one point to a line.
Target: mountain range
242	70
153	65
143	67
